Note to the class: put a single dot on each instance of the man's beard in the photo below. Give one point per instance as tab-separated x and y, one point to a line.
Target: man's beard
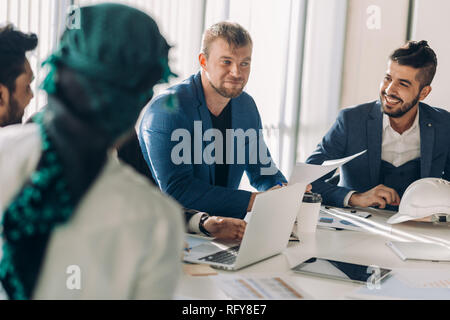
402	111
227	93
13	114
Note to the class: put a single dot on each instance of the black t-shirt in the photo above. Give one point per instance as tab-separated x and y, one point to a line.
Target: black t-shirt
222	123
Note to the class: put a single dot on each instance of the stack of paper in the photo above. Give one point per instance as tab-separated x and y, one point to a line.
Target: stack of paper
258	288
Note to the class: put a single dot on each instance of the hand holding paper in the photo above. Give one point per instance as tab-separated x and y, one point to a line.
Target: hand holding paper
309	173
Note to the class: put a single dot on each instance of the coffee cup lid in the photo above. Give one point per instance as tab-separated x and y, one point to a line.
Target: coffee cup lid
312	198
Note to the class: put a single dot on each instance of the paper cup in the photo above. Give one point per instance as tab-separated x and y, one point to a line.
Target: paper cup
308	213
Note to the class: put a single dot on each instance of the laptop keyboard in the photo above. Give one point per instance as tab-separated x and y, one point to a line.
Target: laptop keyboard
226	256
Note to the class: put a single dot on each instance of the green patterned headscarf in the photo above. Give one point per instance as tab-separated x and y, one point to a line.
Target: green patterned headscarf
118	47
114	60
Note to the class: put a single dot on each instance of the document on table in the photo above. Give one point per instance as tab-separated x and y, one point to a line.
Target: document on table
308	173
423	284
425	278
258	288
420	251
328	221
343	219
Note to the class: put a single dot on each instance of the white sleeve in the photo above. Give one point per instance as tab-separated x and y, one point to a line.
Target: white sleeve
160	268
20	151
347	198
194	222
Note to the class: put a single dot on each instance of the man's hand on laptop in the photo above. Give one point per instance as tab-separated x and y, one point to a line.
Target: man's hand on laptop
380	196
226	229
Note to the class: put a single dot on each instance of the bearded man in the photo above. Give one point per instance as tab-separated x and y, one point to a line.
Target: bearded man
406	140
16	75
212	100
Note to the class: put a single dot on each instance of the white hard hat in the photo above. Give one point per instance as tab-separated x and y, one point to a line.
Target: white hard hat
423	198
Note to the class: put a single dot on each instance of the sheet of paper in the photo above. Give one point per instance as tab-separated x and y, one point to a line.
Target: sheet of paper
258	288
342	219
420	251
425	278
308	173
358	213
408	284
328	221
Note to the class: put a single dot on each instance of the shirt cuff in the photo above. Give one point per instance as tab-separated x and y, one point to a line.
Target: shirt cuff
193	223
347	198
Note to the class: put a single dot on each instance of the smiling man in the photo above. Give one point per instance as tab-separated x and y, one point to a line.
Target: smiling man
16	75
211	102
406	139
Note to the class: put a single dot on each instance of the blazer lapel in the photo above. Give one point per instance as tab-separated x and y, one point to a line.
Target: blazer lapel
206	122
426	143
374	139
235	124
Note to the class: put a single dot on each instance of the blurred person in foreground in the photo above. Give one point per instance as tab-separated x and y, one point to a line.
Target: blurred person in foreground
76	223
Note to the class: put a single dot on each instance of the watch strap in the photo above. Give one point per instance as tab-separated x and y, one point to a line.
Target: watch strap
201	224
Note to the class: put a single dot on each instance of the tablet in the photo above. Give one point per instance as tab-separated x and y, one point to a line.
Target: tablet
341	270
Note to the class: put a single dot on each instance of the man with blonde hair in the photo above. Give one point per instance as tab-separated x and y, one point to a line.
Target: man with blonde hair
211	103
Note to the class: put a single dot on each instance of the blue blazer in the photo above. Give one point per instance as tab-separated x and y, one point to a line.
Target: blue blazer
360	128
191	184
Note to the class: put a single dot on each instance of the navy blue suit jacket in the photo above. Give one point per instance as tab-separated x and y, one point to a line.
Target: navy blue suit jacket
360	128
192	184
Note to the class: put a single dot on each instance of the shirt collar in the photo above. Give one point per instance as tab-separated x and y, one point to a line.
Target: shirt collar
387	123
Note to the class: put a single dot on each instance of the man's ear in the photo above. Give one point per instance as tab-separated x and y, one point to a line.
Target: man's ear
202	60
4	96
425	92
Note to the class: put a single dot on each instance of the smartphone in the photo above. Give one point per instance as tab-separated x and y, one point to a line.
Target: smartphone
341	270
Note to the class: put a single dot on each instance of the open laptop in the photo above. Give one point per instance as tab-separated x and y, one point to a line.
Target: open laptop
267	233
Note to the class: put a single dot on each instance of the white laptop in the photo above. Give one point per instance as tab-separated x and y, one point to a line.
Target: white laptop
267	233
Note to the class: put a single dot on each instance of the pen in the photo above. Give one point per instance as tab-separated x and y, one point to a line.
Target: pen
279	184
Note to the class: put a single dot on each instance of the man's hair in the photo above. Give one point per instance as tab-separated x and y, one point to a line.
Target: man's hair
13	46
233	33
419	56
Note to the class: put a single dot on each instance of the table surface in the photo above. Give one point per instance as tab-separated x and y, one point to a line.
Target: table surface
367	248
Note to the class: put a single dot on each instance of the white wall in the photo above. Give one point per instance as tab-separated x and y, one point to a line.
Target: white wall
432	23
181	23
322	65
368	48
46	18
276	28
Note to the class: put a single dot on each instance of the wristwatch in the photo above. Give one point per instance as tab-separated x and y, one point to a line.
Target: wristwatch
201	224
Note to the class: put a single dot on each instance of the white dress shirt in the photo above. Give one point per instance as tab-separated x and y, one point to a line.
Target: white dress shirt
125	235
396	148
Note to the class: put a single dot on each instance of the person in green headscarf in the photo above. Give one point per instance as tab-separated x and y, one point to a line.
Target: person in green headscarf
75	222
